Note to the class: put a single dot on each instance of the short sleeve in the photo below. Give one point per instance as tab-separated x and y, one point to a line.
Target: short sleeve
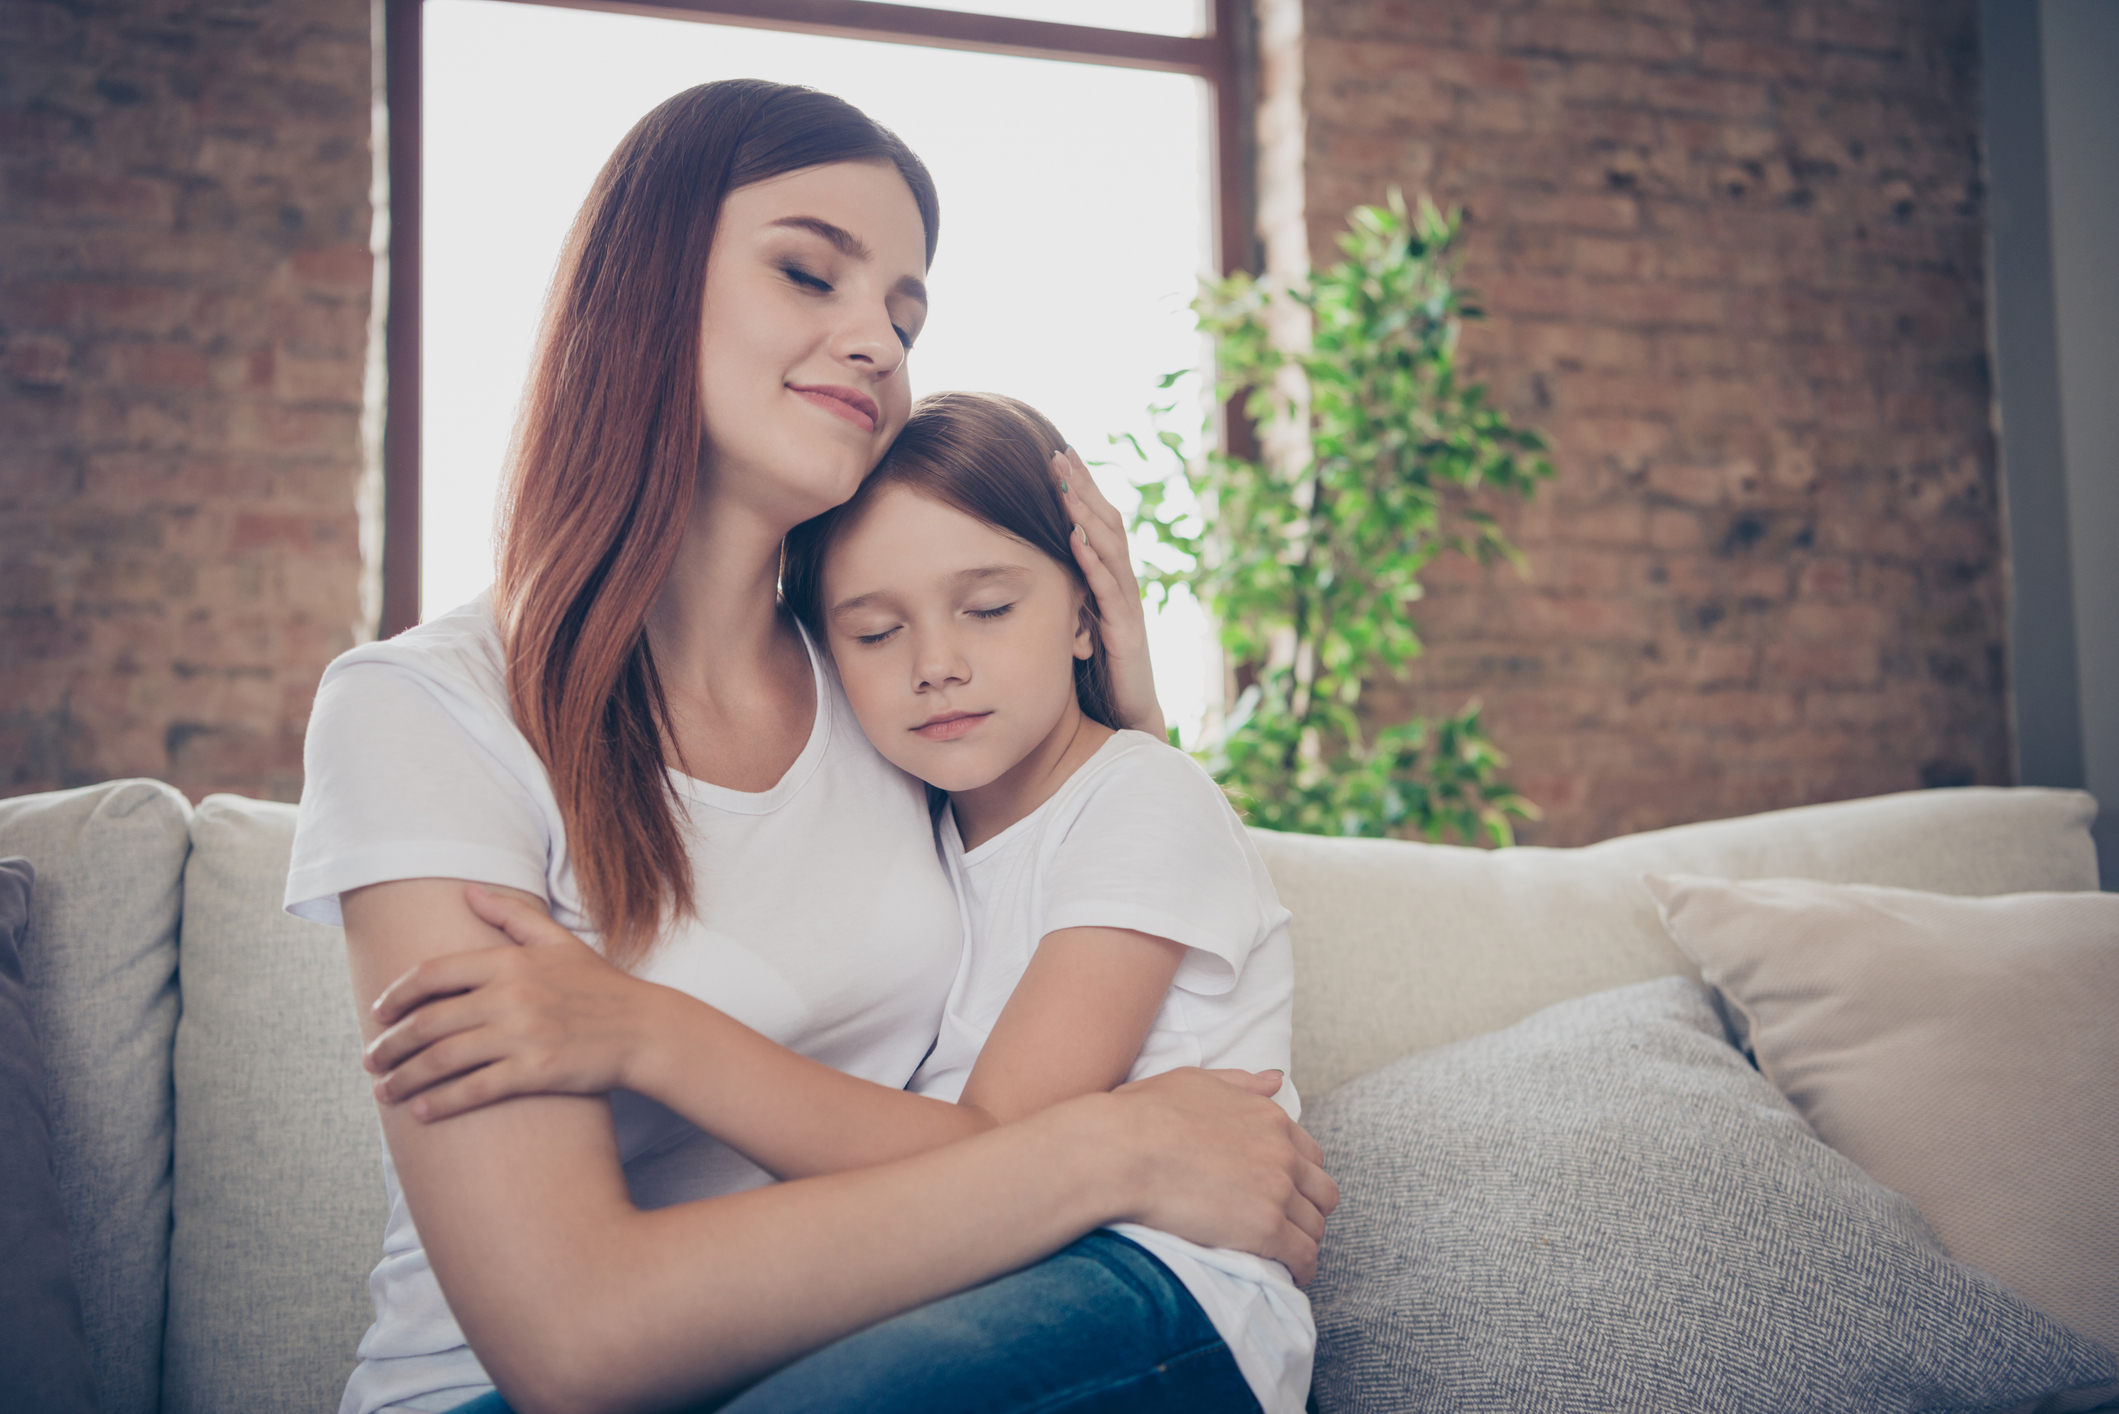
1155	848
401	781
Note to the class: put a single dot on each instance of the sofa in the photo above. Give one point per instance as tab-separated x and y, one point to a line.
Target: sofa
215	1145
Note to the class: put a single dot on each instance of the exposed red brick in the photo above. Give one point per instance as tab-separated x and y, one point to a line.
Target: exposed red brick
179	406
1732	259
347	266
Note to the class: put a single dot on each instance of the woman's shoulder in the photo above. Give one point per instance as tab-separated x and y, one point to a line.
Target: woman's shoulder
457	656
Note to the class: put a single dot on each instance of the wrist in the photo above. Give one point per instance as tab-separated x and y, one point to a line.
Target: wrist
1094	1148
653	1055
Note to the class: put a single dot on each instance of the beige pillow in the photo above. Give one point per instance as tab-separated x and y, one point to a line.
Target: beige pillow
1964	1051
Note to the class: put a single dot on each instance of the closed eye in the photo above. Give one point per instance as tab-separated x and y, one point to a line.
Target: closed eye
903	337
871	639
993	613
806	280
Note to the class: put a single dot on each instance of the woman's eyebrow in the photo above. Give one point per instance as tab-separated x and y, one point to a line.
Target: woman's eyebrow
852	247
846	242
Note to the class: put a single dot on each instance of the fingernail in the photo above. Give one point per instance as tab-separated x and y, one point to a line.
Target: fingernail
1081	535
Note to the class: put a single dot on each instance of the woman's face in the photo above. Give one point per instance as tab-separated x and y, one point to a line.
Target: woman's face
813	299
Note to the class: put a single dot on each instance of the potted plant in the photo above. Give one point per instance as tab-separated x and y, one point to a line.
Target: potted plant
1309	558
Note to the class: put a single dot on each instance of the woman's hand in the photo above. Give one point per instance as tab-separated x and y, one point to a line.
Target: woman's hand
1100	549
545	1016
1216	1162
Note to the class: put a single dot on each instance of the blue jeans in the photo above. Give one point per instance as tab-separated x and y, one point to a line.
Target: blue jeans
1099	1327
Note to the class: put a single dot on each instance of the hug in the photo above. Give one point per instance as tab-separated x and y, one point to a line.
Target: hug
818	814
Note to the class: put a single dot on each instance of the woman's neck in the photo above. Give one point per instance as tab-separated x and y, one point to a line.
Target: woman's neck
1011	796
734	672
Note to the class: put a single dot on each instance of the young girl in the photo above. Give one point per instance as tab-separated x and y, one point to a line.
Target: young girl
1119	922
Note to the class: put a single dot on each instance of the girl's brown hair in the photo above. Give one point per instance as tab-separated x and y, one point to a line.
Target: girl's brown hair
605	458
991	458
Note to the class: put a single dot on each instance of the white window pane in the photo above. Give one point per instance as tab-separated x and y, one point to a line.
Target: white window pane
1147	16
1074	230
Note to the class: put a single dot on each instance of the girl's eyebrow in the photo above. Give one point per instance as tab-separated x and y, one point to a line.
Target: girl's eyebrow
975	575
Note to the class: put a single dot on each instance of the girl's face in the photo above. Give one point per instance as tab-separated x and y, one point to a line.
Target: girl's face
956	643
813	298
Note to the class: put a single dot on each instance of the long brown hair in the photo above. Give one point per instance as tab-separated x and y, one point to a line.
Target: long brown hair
604	461
991	458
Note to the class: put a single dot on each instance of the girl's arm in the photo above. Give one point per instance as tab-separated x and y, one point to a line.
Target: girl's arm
574	1299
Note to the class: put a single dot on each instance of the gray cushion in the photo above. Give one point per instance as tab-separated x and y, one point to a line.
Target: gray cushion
1605	1208
42	1347
101	962
280	1211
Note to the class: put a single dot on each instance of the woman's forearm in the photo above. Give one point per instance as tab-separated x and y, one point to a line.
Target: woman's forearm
792	1116
617	1309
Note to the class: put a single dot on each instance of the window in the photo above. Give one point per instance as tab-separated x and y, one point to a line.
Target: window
1077	207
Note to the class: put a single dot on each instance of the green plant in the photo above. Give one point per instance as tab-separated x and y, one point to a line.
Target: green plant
1309	562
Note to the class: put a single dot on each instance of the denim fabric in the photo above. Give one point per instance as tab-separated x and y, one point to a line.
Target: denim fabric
1099	1327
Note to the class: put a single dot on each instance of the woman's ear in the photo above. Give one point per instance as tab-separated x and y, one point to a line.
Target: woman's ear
1085	631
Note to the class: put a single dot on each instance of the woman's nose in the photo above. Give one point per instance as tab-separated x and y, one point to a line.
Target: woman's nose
871	341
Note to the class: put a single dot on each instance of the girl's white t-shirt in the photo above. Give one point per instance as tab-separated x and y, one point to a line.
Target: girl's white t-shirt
825	919
1140	837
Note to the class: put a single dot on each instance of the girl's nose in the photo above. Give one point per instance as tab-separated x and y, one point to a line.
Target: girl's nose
940	664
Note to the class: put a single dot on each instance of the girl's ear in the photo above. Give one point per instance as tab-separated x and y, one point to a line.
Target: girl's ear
1085	631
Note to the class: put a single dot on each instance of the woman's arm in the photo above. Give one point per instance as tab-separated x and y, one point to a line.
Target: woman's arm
575	1299
555	1018
552	1017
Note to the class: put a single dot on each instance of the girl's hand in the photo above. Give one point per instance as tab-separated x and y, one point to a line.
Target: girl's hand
1217	1163
1100	549
545	1016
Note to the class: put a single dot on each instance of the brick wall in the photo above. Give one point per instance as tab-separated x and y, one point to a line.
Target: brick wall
184	280
1731	254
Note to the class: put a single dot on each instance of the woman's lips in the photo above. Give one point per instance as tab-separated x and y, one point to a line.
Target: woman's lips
856	408
949	725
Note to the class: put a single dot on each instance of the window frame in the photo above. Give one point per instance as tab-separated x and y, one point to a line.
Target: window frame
1219	57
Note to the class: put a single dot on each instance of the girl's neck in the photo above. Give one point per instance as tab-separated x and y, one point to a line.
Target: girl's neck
1011	796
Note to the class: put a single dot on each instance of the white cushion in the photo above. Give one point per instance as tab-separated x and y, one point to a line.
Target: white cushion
1402	947
279	1190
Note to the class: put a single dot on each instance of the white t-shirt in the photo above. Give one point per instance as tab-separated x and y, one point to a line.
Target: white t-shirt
825	918
1140	837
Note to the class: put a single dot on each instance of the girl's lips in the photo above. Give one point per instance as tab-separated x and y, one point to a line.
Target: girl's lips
856	408
951	726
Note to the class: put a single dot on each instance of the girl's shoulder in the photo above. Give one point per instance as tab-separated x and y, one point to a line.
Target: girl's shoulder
1136	761
1134	776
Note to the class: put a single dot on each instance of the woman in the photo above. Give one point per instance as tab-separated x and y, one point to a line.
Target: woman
635	736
